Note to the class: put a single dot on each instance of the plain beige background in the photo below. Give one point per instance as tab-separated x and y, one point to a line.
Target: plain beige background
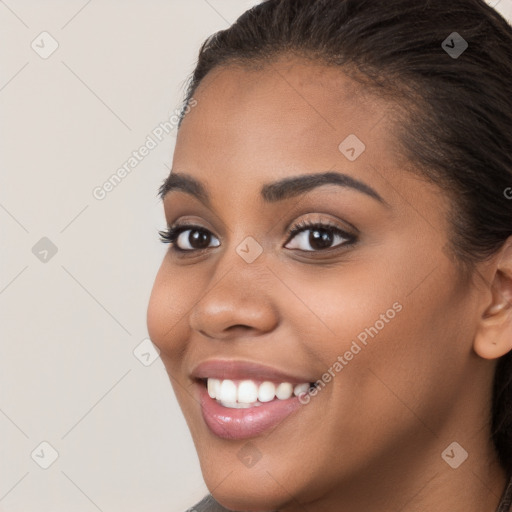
76	369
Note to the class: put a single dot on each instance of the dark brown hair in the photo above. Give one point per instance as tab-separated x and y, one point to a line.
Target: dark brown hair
453	113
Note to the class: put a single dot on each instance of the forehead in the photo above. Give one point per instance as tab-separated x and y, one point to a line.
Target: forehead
287	92
289	105
287	117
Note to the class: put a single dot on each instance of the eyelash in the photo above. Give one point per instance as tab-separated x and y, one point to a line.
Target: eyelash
171	234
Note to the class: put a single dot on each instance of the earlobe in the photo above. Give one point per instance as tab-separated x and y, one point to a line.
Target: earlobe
491	345
494	335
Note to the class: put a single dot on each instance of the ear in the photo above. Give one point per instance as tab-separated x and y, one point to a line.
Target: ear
494	335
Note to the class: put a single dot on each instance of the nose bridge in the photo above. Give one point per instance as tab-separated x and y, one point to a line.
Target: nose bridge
238	293
244	257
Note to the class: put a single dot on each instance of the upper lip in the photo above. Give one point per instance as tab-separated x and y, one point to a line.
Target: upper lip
240	370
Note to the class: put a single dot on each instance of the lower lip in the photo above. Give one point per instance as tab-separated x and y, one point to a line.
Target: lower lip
230	423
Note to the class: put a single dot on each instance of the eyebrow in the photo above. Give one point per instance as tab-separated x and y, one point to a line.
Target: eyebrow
272	192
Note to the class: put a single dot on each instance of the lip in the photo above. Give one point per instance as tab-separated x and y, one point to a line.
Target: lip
230	423
240	370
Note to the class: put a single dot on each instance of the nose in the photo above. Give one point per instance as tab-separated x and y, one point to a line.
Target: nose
239	304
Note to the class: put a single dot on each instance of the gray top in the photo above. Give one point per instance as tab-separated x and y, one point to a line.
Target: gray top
208	503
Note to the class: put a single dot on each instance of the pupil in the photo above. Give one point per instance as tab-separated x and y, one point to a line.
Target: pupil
320	239
199	239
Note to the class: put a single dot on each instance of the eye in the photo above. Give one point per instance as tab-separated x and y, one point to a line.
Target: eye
315	237
309	237
187	238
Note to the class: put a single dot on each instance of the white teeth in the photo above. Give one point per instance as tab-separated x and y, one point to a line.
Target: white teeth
266	391
237	405
300	388
213	387
247	393
227	391
284	391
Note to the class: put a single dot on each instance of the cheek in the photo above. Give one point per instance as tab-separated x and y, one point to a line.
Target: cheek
337	307
166	313
397	340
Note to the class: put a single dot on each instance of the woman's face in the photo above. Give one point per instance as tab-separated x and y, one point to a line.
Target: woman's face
380	309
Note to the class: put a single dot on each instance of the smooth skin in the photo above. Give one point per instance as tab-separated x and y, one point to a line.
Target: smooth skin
373	437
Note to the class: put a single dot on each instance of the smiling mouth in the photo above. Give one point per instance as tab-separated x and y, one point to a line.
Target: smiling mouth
247	393
240	399
238	412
